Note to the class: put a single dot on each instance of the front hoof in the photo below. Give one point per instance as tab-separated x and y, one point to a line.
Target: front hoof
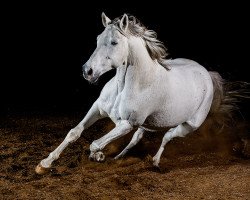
41	170
97	156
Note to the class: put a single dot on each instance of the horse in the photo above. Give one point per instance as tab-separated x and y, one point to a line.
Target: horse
148	92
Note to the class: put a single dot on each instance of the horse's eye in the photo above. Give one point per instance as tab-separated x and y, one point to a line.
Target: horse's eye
114	43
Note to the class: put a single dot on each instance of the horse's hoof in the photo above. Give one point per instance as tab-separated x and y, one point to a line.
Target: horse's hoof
156	165
97	156
41	170
155	162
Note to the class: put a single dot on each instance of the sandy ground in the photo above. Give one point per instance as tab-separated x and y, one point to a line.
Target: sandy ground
207	164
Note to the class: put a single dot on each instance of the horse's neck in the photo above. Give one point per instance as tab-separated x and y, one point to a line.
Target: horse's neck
120	77
139	69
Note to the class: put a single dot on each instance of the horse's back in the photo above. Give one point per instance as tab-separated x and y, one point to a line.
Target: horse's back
183	63
189	69
183	90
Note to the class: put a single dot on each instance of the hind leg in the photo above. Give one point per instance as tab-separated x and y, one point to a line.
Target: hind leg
183	129
180	131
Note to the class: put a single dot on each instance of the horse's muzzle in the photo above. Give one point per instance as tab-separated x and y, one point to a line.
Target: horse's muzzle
87	71
88	74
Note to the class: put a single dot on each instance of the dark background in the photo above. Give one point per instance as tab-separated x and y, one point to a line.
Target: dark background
44	46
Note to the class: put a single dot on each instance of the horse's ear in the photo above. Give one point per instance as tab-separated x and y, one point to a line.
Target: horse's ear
105	20
124	23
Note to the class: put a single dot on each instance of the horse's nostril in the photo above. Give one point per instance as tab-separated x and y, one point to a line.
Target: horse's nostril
90	72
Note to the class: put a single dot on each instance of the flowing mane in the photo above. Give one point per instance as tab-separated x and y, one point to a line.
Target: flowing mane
155	48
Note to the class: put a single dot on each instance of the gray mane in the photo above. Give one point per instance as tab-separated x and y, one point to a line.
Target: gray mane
156	48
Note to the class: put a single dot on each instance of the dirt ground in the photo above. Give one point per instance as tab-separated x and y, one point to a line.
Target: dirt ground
207	164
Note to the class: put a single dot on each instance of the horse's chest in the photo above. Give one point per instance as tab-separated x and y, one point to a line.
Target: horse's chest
111	108
115	111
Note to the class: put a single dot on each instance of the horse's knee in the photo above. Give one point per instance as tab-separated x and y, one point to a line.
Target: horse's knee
73	135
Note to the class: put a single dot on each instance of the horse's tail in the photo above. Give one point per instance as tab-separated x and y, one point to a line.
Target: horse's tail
227	95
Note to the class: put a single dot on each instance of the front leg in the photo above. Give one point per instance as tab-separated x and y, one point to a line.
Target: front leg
135	139
92	116
121	129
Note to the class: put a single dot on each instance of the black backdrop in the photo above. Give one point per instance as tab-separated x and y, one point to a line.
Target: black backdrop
45	45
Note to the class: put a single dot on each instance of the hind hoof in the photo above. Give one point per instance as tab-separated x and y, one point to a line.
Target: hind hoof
41	170
156	162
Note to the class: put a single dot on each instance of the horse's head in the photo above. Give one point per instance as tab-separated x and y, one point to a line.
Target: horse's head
111	51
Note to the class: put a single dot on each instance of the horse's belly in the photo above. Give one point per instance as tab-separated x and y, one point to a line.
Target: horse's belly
162	121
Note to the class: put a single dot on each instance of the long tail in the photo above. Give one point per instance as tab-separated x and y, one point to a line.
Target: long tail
227	95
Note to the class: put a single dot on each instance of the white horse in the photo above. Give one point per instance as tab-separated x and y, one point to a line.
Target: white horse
148	91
